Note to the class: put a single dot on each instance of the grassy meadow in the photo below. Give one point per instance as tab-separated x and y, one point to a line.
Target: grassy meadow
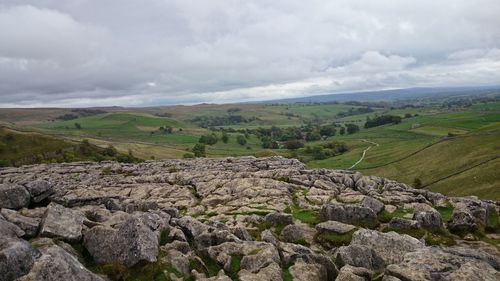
450	150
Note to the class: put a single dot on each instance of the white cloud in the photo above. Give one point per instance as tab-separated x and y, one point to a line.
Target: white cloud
85	52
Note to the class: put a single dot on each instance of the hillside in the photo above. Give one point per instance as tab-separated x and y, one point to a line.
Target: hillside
437	142
24	148
236	219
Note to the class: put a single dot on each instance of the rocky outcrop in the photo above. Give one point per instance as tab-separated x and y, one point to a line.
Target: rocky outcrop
235	218
131	243
13	196
63	223
57	264
16	258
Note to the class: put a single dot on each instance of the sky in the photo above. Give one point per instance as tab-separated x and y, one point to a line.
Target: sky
78	53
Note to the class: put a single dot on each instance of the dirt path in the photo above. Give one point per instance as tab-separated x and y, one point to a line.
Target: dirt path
364	152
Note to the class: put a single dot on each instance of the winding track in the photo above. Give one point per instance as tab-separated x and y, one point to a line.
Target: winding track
364	152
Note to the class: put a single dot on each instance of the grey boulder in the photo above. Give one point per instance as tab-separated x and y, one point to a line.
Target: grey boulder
390	247
349	213
57	264
13	196
39	190
16	258
131	243
63	223
462	221
27	224
276	219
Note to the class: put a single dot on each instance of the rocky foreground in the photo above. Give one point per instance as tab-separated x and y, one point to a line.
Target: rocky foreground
236	219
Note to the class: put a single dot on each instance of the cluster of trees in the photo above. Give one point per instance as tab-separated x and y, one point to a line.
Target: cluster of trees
355	111
326	150
382	120
79	112
166	129
212	121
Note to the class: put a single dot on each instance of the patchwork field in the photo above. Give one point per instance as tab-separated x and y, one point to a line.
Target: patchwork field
450	150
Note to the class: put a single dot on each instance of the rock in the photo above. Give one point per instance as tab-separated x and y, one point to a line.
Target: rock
27	224
63	223
267	236
56	264
8	229
430	220
474	254
213	237
277	219
302	271
13	196
271	272
131	243
293	233
242	234
373	204
334	227
461	221
351	273
403	224
349	213
390	247
474	271
358	256
431	263
39	190
178	260
16	258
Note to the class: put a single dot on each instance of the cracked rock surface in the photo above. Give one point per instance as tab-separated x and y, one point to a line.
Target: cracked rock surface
236	219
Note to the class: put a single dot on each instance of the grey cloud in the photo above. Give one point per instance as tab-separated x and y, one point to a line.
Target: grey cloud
128	52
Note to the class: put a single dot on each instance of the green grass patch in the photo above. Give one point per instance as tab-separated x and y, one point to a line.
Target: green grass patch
285	273
330	240
440	237
446	211
306	216
384	216
211	265
234	267
493	222
164	236
417	233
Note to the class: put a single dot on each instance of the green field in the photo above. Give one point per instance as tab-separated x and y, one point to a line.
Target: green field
450	150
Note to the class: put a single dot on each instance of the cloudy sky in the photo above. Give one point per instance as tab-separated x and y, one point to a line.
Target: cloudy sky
152	52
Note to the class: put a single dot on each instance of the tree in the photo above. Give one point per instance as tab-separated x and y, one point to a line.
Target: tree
208	139
342	130
78	126
225	137
241	139
110	151
199	150
417	183
352	128
313	136
293	144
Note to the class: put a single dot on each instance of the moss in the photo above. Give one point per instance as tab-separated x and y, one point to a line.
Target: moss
446	211
384	216
334	240
417	233
302	242
493	222
439	237
164	236
306	216
211	265
285	274
195	264
234	267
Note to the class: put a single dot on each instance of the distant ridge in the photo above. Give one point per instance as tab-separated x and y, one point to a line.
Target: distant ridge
392	95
